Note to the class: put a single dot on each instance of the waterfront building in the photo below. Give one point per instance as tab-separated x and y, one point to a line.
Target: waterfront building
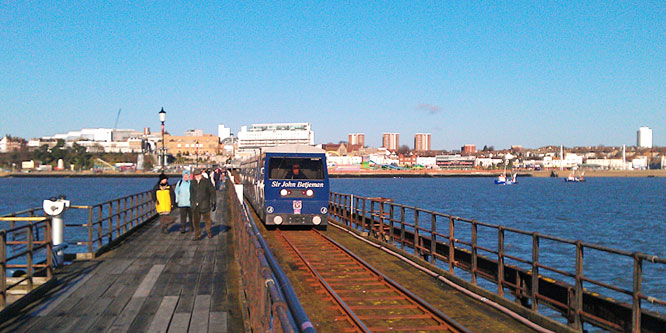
223	132
406	160
487	162
203	145
8	144
131	145
644	137
422	142
357	139
391	141
455	161
468	149
608	163
96	134
429	162
269	135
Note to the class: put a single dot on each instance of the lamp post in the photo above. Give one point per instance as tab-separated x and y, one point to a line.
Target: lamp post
162	114
197	156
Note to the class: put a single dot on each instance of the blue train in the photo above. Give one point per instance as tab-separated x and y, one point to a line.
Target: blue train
288	185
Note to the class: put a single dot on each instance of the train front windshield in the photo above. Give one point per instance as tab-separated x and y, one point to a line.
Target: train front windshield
296	168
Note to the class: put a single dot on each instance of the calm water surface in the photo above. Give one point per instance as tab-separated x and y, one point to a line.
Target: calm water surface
622	213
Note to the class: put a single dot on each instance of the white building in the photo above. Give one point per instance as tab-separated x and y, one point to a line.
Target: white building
644	137
223	132
96	134
194	132
428	162
609	164
269	135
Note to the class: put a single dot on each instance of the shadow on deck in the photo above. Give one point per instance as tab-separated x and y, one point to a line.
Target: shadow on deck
149	282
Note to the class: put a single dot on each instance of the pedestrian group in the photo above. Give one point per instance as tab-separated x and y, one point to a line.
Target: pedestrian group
194	195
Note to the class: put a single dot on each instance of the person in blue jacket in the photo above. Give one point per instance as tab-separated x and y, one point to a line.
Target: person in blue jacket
183	200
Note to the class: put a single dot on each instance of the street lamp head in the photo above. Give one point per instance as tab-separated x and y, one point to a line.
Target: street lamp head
162	115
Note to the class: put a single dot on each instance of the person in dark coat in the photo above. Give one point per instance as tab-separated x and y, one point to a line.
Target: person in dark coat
202	201
165	199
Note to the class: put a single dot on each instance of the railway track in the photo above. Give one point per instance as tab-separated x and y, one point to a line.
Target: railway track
364	298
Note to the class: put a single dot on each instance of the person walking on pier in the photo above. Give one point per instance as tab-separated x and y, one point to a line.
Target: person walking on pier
183	200
164	198
202	201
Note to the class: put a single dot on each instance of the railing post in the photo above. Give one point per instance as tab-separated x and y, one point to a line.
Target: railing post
372	217
474	251
132	224
578	304
500	261
125	215
118	222
90	230
452	246
391	223
636	303
48	238
402	227
3	268
417	236
433	238
110	221
100	217
381	221
364	217
535	271
348	209
349	226
29	267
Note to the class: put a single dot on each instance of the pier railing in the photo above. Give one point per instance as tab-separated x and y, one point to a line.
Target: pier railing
108	221
273	306
25	255
481	250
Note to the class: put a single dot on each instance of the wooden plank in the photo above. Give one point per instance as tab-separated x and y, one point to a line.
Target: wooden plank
84	323
149	281
66	293
200	314
187	298
218	322
180	322
125	319
119	266
163	315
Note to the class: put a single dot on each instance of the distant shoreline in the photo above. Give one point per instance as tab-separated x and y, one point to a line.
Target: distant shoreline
367	174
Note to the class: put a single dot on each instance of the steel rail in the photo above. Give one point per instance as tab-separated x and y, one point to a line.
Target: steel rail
427	312
396	285
360	325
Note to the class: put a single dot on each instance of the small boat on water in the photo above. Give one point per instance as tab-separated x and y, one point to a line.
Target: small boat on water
573	179
504	180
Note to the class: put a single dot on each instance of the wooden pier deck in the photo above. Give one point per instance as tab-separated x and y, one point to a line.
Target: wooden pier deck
151	282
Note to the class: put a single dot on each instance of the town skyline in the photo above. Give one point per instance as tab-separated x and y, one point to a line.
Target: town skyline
408	141
527	74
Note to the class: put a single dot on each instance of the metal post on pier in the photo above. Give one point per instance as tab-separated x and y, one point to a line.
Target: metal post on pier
55	207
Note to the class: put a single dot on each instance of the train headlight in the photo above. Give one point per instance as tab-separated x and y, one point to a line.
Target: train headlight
284	192
277	220
316	220
309	192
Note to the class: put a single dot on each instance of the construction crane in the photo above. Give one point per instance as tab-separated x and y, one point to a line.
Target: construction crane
117	117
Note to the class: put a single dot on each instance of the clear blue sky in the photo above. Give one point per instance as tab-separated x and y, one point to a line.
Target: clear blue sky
482	73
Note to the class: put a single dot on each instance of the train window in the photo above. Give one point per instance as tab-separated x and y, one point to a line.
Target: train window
296	168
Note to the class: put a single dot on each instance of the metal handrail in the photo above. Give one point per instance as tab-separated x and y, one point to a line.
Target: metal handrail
22	253
352	211
273	303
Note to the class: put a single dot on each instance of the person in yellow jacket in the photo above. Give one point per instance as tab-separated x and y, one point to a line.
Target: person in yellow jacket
164	198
